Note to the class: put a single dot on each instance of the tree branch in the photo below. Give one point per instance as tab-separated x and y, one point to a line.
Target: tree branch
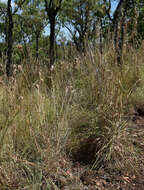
118	11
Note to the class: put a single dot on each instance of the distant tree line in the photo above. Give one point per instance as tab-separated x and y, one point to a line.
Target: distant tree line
87	21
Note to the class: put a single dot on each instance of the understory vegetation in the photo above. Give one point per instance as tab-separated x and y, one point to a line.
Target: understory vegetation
80	111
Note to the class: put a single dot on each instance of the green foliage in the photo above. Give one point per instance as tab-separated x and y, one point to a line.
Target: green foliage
81	18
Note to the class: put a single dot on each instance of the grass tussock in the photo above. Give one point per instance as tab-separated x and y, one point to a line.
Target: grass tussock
79	110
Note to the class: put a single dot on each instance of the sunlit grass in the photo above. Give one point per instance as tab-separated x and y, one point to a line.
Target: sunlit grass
79	109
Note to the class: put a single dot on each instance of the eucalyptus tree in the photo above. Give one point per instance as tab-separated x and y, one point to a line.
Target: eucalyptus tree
81	18
2	18
118	20
9	31
33	22
52	8
136	22
2	24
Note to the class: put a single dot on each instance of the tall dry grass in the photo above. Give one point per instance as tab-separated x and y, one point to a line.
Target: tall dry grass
80	110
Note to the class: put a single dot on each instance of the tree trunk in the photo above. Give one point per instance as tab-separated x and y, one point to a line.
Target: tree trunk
5	31
52	11
119	34
9	39
52	39
120	43
101	37
37	46
116	37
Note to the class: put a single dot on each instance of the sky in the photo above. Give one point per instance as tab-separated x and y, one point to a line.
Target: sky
2	1
114	4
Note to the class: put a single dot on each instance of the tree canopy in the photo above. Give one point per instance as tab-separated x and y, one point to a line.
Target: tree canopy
86	22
